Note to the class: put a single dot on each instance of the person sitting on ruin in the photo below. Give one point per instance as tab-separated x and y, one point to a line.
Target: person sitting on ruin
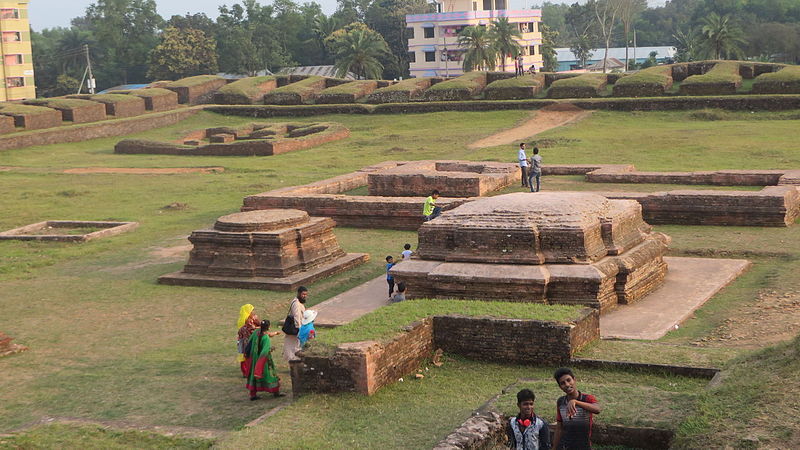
527	431
400	295
262	376
307	330
247	323
430	211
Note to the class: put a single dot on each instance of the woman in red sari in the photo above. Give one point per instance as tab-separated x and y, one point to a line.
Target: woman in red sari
262	375
247	323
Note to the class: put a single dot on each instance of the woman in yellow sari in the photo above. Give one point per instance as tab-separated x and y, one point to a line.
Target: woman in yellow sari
247	323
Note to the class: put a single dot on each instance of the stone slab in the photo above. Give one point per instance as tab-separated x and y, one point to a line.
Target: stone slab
352	304
289	283
690	282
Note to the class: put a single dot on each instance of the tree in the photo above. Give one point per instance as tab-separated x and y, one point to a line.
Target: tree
628	11
247	39
504	37
606	13
388	17
183	53
686	46
721	37
549	55
358	49
126	32
582	26
323	27
480	52
775	42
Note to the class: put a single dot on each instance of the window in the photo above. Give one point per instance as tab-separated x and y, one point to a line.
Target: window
430	56
487	5
12	36
532	49
474	6
499	4
9	13
15	82
12	60
428	32
410	33
538	49
412	57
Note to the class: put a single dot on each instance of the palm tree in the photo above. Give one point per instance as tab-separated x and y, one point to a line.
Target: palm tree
358	51
720	36
323	27
480	51
504	37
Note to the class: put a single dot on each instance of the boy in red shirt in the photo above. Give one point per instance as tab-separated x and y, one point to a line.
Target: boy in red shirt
574	413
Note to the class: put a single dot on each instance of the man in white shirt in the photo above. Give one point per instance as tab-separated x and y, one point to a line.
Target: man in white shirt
523	164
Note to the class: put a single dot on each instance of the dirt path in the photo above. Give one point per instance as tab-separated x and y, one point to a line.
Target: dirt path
542	120
144	171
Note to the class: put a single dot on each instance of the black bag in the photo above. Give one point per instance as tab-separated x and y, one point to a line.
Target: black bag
289	327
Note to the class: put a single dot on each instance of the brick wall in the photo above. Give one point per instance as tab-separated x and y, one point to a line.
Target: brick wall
191	94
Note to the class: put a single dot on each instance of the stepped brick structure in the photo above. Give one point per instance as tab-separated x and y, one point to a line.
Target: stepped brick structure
266	249
450	178
567	247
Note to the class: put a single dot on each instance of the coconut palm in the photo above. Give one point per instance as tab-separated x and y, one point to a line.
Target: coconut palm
504	37
358	50
721	36
479	50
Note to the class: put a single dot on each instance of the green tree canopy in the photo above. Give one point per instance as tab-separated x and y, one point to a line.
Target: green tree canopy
480	52
183	53
721	37
358	49
504	37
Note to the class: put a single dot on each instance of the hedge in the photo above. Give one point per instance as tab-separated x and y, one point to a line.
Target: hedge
461	88
526	86
582	86
649	82
296	93
348	92
404	91
193	81
246	91
721	79
784	81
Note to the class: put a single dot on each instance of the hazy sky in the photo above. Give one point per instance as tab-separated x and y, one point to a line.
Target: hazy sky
58	13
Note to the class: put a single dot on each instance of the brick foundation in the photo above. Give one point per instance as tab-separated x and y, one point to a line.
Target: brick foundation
193	94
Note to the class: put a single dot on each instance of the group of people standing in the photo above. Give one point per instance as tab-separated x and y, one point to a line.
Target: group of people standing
530	169
255	346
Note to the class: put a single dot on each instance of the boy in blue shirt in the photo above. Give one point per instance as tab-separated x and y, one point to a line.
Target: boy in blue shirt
527	431
389	278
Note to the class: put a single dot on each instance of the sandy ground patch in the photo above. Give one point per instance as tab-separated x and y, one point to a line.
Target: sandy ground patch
157	255
542	120
146	171
198	135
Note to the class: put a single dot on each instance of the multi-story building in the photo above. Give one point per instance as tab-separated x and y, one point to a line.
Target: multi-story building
15	47
433	38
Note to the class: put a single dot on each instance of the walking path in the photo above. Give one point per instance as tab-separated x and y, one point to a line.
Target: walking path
690	282
542	120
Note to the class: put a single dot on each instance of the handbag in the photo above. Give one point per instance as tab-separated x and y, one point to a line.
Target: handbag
289	327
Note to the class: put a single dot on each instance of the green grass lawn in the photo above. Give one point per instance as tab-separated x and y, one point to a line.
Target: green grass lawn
109	344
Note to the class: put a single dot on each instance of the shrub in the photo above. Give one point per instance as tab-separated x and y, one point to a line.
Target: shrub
246	91
721	79
403	91
461	88
582	86
784	81
649	82
297	92
348	92
514	88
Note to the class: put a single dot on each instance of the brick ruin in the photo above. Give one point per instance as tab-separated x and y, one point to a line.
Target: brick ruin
400	207
367	366
55	230
563	247
256	139
269	249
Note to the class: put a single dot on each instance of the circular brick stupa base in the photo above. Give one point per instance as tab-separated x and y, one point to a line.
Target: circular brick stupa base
277	249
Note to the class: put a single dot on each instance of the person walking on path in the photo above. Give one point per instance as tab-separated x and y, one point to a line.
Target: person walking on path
535	170
429	210
523	164
262	375
294	320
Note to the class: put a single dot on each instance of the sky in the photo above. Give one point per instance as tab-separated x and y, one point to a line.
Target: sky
58	13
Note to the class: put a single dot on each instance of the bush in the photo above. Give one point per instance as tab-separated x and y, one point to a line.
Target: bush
526	86
462	88
246	91
582	86
403	91
784	81
721	79
193	81
649	82
296	93
348	92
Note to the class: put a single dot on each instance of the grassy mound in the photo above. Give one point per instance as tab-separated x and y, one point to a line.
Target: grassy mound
784	81
723	78
649	82
403	91
16	108
526	86
348	92
148	92
245	91
114	98
386	322
296	93
61	103
582	86
461	88
193	81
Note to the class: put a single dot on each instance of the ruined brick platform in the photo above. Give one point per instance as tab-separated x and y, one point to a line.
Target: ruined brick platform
562	247
9	348
450	178
49	230
269	249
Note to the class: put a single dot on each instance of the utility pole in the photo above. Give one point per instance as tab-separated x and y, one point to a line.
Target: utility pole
90	82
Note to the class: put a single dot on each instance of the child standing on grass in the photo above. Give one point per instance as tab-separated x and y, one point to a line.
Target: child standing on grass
389	278
574	413
307	331
526	431
406	252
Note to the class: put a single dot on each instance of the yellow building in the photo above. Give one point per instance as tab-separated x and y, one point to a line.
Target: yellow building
433	48
15	46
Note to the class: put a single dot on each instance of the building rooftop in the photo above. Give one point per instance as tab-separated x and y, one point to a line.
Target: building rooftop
323	71
564	54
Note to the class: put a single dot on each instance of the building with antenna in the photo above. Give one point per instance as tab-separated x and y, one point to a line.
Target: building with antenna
432	45
15	46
